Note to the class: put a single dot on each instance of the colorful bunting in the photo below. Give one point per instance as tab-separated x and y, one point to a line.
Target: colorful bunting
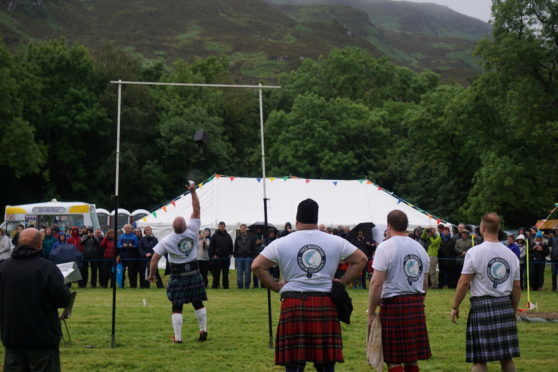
200	185
438	221
368	182
173	203
164	209
398	201
217	176
307	180
429	216
231	178
335	183
144	219
380	188
361	181
259	180
271	179
285	178
154	214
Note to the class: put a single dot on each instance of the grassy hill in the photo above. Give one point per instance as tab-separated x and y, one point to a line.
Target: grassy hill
260	38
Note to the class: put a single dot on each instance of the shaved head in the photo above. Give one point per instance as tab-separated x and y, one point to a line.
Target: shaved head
32	238
179	225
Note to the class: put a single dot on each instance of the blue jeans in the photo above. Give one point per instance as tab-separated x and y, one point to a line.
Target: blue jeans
243	271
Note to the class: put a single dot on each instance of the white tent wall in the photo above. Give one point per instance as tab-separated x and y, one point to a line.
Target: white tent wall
237	200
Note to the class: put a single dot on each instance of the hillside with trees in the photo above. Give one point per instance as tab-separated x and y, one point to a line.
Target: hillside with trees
457	151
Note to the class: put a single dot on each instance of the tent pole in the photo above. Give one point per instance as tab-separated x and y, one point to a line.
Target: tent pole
265	231
112	335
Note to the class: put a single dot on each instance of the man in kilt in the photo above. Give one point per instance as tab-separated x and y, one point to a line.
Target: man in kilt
398	286
492	271
186	284
308	327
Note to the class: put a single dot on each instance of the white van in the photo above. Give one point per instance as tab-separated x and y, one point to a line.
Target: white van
64	214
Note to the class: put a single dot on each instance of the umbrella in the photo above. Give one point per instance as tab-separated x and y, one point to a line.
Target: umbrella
366	227
253	227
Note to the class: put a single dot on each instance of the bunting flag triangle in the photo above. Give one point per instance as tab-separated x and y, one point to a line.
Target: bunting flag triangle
271	179
307	180
361	181
368	182
154	214
144	219
173	203
285	178
380	188
259	180
335	183
294	177
429	216
231	178
217	176
200	185
164	209
398	201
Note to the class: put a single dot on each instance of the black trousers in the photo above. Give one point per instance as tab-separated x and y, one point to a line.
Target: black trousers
220	266
93	264
106	273
537	275
158	279
32	360
204	268
143	265
131	266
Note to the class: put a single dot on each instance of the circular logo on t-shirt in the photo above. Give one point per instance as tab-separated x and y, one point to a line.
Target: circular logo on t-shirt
186	245
412	267
498	271
311	259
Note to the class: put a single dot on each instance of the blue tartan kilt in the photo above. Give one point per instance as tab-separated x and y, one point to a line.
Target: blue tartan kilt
491	330
186	289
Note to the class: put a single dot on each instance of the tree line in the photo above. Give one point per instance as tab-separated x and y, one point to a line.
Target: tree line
453	150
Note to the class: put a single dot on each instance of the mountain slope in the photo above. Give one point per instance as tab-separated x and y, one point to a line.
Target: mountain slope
261	38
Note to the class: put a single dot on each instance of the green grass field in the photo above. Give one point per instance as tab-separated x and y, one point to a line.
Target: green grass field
238	333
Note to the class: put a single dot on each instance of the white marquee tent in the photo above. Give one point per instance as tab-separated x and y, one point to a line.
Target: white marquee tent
237	200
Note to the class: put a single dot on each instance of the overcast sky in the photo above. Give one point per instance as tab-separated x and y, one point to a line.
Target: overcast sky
475	8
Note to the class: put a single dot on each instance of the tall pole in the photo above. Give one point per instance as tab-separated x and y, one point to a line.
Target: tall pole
112	336
266	234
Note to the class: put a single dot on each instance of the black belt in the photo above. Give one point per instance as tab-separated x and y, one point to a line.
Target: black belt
304	295
185	268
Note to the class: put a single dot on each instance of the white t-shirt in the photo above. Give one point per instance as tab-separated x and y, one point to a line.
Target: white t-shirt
494	266
181	248
405	263
308	259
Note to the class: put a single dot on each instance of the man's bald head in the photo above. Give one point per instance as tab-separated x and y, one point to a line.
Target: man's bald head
31	237
179	225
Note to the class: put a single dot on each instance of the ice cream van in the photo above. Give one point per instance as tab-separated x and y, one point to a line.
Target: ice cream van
39	215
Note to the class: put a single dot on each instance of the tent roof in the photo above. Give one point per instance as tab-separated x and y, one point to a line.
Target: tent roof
237	200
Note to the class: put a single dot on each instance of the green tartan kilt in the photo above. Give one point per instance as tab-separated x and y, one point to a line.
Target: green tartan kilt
186	289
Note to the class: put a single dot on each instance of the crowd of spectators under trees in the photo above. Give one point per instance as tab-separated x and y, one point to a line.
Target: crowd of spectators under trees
93	251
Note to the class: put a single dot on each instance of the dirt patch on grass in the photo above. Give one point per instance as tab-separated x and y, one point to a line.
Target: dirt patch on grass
543	315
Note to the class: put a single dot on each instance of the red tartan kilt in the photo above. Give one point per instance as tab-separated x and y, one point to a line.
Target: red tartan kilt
404	334
308	330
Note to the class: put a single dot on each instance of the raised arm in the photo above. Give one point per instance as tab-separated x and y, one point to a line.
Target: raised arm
195	202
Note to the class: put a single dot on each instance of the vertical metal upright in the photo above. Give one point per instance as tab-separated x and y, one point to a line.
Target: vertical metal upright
116	180
265	231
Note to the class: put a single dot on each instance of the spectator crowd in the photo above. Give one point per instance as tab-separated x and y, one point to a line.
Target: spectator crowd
94	251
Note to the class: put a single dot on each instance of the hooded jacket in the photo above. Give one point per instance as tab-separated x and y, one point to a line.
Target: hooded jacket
146	245
31	291
74	238
48	243
221	244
